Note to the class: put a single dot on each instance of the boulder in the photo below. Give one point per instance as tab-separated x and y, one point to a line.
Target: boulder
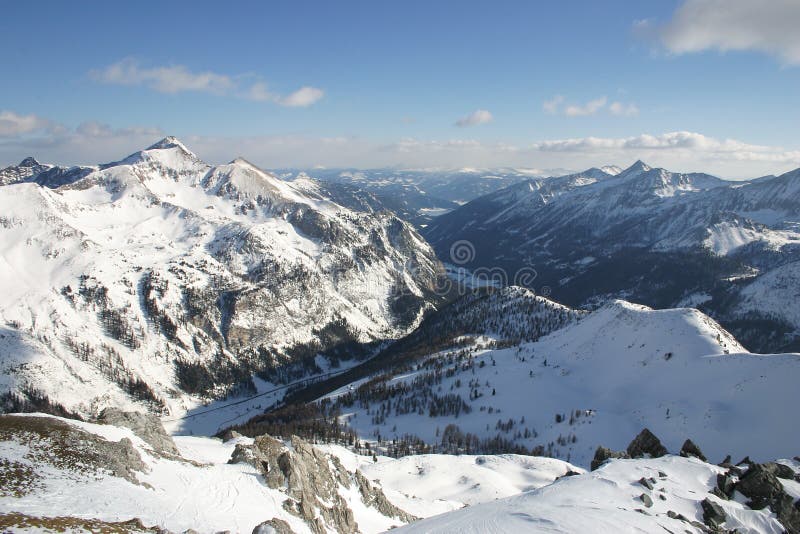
648	502
689	449
646	444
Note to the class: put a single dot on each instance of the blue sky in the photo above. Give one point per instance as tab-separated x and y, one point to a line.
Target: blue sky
688	85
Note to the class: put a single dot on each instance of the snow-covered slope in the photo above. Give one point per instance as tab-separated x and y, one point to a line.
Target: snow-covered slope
161	280
591	382
123	477
613	500
644	234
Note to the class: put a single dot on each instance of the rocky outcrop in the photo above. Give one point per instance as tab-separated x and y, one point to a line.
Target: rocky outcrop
602	454
713	514
689	449
146	426
273	526
646	444
312	480
64	446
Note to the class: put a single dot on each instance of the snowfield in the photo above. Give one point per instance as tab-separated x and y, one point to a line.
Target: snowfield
597	382
609	500
202	491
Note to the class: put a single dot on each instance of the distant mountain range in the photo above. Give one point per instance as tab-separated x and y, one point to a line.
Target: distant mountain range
648	235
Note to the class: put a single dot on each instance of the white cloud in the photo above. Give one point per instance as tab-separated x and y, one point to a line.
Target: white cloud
93	142
303	97
480	116
259	92
769	26
172	79
13	124
551	106
590	108
623	110
178	78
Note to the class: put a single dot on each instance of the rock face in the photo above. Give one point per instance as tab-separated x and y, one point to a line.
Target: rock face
713	514
312	480
602	454
146	426
646	443
689	449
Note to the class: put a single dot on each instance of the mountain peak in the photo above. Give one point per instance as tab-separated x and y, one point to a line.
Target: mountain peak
170	142
639	166
30	161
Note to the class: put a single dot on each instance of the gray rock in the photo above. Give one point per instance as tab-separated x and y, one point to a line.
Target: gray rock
760	486
273	526
231	434
602	454
689	449
726	484
646	444
779	470
144	425
713	514
646	483
648	502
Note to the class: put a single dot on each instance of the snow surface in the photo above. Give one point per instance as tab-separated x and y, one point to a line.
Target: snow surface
209	495
608	501
622	368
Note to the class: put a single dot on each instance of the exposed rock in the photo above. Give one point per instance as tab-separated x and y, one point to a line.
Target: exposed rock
646	444
713	514
646	483
273	526
312	480
779	470
231	434
64	446
144	425
760	486
374	496
648	502
602	454
788	513
726	484
689	449
719	494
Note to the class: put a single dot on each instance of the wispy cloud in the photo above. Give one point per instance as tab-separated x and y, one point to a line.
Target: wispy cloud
623	110
551	106
93	142
303	97
590	108
480	116
13	124
769	26
557	105
171	79
179	78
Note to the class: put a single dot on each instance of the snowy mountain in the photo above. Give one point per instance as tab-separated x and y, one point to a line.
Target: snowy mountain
161	281
418	195
132	477
644	234
586	380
